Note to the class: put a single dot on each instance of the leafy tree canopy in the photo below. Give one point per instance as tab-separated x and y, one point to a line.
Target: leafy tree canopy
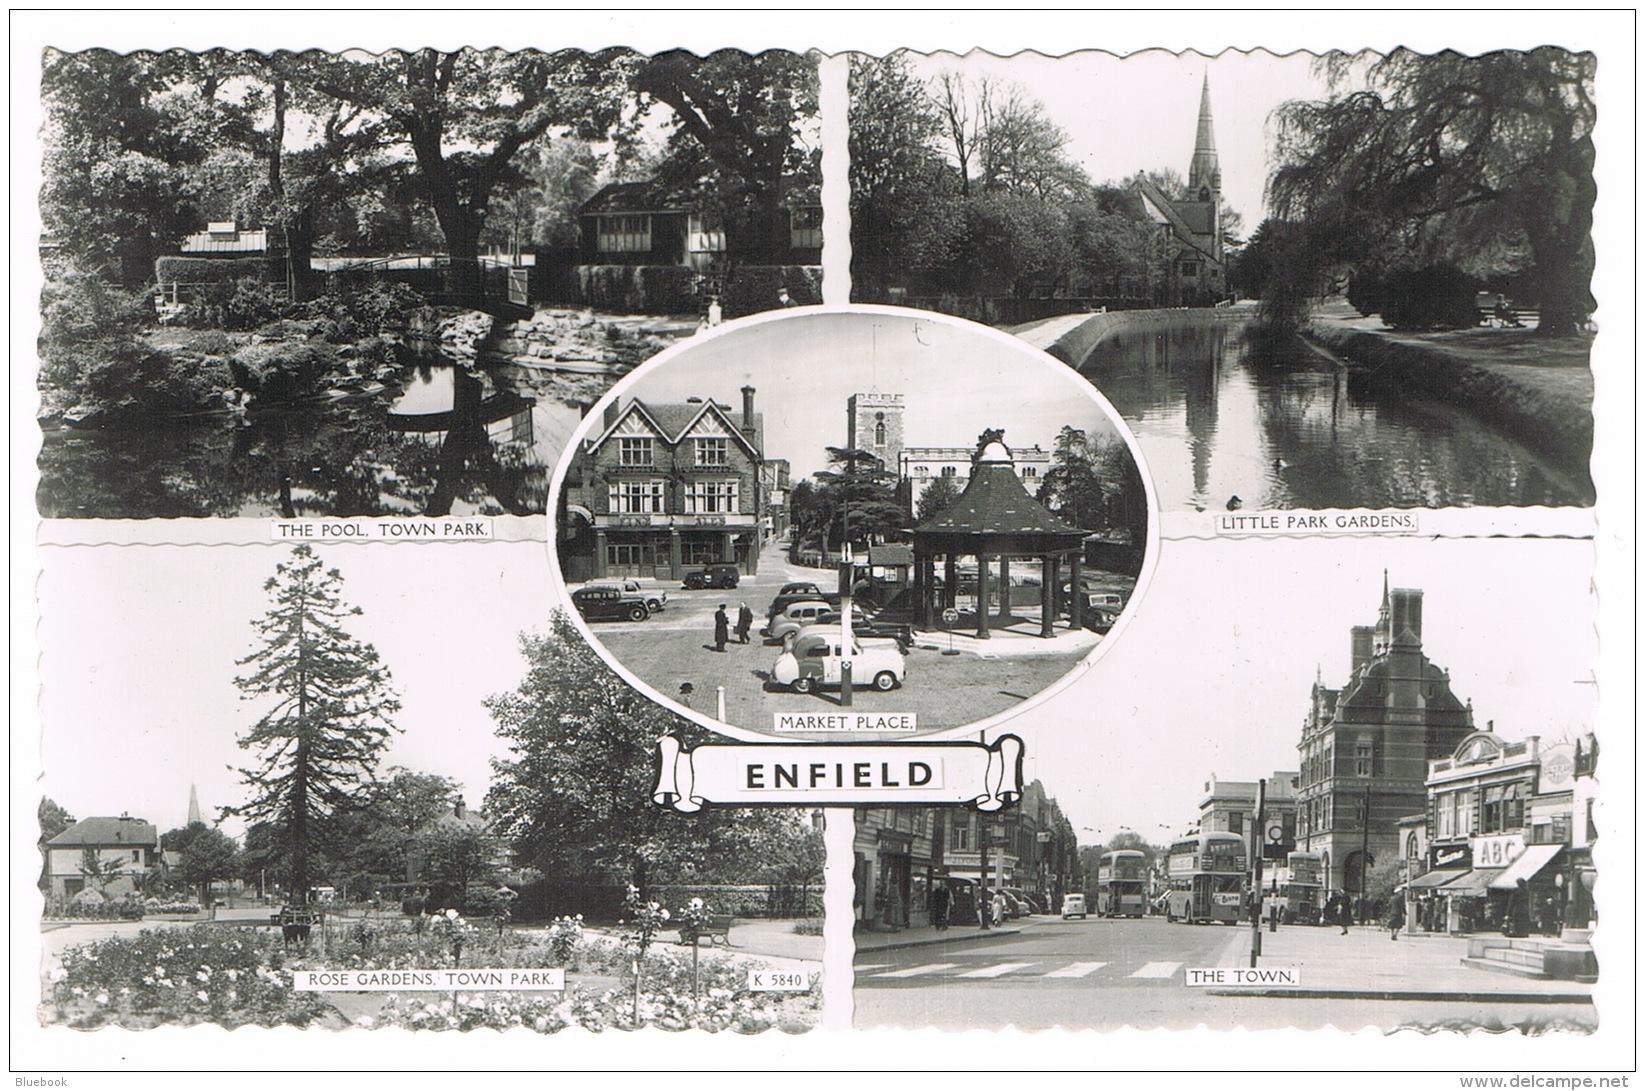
1447	157
573	796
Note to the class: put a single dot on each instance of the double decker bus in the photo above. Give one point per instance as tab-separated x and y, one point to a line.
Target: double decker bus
1301	888
1206	873
1122	878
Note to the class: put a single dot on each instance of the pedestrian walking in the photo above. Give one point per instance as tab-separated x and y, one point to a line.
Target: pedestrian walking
1345	913
722	628
1396	917
940	901
745	622
1550	916
784	299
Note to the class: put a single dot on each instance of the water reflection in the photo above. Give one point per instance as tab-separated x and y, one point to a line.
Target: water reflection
1223	424
447	441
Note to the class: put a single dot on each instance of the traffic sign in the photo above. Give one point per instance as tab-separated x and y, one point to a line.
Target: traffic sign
950	615
1276	833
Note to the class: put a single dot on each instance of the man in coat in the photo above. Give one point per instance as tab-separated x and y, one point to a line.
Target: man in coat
722	628
745	622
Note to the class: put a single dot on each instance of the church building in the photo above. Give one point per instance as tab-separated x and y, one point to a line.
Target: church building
1190	229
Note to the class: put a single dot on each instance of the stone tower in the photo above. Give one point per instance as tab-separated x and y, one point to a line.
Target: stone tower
874	424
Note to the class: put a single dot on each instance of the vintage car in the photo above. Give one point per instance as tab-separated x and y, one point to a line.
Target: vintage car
814	660
714	575
609	604
655	597
799	592
803	614
1073	905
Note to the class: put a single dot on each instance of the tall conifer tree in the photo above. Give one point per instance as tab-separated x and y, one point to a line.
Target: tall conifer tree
331	716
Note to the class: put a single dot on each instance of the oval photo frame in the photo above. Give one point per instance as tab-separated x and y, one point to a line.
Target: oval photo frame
653	513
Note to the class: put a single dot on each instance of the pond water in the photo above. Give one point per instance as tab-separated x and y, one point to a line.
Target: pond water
1218	419
442	441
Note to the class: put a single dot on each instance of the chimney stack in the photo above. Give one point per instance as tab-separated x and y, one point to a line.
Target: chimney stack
460	808
748	414
1361	646
1406	609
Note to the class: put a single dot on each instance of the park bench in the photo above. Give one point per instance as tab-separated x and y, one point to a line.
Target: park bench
717	929
1504	315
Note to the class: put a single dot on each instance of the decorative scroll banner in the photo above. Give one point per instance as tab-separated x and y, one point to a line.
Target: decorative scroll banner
985	776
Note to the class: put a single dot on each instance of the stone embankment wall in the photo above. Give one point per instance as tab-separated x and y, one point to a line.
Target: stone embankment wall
573	341
1558	429
1072	337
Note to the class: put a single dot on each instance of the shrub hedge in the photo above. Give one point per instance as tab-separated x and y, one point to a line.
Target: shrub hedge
181	270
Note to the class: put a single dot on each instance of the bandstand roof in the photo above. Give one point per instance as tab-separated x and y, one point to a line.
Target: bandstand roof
995	514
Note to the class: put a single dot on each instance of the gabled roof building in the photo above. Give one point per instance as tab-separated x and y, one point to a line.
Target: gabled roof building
664	487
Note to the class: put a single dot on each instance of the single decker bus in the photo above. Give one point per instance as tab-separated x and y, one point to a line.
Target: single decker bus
1206	873
1122	877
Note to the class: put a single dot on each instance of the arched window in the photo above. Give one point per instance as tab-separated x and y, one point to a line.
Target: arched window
879	429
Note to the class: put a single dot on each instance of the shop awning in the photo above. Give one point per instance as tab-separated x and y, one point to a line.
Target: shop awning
1434	878
1473	883
1531	861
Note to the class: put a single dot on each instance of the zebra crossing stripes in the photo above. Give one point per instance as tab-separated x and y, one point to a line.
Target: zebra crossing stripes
996	971
1157	971
921	971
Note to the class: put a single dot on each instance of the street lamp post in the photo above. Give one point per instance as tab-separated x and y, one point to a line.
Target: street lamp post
1256	870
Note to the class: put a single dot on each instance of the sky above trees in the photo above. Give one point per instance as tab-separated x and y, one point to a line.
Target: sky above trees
1139	112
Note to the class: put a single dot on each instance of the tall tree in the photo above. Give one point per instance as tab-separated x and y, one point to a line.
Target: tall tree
205	854
330	713
862	498
53	821
937	498
117	171
573	796
467	114
899	181
1455	158
742	123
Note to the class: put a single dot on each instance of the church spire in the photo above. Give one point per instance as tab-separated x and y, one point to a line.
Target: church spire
1204	175
193	806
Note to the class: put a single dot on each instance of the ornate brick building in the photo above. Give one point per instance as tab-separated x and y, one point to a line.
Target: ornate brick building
1365	747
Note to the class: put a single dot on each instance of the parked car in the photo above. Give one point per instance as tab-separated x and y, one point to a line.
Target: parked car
1015	907
1027	898
808	612
1073	905
814	660
655	597
802	614
786	598
1099	619
714	575
609	604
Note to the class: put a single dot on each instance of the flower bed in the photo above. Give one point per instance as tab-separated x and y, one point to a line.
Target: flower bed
202	974
209	973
